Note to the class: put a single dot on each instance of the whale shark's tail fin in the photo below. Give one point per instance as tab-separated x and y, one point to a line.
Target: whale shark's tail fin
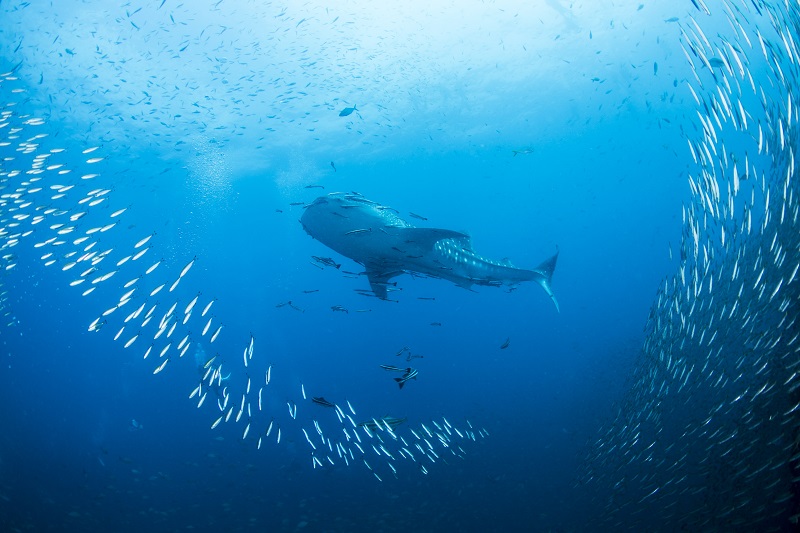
545	277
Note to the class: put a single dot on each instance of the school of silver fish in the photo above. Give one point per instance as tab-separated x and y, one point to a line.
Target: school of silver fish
708	436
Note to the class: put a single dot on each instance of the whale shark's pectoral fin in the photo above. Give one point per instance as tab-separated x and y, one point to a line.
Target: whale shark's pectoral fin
379	281
425	238
545	277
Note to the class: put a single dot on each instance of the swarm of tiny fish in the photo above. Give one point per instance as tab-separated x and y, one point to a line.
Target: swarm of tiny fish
708	436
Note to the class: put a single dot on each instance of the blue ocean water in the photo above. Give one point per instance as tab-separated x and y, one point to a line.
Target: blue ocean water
532	128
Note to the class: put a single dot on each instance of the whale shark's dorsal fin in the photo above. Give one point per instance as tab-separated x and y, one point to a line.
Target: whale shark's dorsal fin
425	238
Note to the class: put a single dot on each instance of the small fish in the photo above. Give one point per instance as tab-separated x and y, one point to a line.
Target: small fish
161	367
290	304
505	344
157	289
191	305
315	186
347	111
411	373
524	151
339	308
414	215
390	420
357	231
153	267
144	241
174	284
187	267
308	439
131	340
327	261
319	400
392	368
333	166
207	307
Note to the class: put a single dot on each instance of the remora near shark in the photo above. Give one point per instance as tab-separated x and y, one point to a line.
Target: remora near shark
375	236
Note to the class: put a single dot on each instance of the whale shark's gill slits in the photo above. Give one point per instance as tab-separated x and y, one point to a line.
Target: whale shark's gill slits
708	435
152	306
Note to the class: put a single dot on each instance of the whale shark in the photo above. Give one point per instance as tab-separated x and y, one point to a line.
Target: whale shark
387	246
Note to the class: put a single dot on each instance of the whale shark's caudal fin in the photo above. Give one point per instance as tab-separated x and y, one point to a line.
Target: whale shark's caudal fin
545	277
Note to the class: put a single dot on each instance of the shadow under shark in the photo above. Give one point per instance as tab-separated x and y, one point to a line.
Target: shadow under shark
388	246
